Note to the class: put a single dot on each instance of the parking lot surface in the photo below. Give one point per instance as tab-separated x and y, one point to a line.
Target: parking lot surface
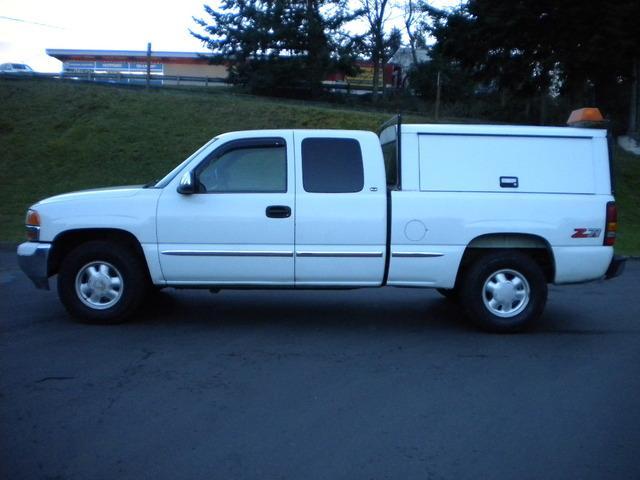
364	384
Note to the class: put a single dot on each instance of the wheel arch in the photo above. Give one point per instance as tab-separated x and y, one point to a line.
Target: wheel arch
66	241
535	246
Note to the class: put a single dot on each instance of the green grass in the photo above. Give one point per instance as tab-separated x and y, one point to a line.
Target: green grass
627	168
58	137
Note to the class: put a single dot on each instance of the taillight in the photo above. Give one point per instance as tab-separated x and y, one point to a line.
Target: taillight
611	226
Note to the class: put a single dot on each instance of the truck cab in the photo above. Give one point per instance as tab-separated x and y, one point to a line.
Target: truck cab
277	208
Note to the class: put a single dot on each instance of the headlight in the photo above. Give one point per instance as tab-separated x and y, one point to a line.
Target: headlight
32	223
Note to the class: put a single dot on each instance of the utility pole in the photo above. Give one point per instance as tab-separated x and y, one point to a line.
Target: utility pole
438	87
634	101
148	64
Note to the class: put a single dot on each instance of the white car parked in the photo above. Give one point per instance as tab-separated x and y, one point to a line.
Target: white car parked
488	215
15	68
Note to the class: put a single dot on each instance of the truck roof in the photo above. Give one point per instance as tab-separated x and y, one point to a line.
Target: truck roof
280	131
502	130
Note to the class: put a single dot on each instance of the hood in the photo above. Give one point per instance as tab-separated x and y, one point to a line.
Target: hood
93	194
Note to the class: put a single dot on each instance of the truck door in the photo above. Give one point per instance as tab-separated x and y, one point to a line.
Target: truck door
341	213
238	228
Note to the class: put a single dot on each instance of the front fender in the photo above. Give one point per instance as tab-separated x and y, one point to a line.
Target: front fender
135	214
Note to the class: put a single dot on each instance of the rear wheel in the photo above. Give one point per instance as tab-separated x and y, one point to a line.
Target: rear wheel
102	282
504	291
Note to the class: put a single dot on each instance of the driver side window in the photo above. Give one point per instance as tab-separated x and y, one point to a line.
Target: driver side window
260	168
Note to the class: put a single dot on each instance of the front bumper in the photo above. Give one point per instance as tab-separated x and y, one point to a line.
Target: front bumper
616	267
33	258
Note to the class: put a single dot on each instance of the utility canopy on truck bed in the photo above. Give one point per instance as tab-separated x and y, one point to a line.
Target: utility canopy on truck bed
493	158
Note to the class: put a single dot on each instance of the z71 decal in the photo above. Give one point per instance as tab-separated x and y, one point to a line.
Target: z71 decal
586	233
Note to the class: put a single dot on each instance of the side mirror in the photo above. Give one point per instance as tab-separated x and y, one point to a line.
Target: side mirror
187	183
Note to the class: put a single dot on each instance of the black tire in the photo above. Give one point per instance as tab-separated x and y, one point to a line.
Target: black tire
449	293
507	311
120	263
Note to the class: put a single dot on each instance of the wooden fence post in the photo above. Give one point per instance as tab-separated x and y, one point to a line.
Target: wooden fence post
148	64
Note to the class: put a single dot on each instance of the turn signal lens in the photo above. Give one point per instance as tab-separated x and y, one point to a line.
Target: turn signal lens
611	225
33	225
33	218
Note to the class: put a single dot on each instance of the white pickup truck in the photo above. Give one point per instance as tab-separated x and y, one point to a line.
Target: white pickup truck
488	215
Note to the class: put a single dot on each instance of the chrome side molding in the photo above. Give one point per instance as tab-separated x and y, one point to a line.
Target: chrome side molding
305	253
228	253
338	254
416	254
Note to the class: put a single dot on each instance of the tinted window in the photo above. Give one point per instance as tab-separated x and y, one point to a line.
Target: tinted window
389	152
332	165
246	169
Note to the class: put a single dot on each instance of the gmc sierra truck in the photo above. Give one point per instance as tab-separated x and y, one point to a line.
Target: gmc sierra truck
488	215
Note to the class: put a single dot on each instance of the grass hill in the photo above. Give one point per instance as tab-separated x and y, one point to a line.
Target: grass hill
57	137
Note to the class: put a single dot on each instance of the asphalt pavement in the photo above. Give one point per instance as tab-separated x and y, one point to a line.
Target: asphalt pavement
362	384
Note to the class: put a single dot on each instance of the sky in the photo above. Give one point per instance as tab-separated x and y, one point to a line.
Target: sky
29	27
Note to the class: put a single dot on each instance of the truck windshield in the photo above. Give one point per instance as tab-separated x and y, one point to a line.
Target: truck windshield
171	175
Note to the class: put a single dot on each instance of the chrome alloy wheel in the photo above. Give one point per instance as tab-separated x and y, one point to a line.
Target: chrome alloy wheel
506	293
99	285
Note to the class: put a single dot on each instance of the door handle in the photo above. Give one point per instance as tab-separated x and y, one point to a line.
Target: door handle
509	182
278	211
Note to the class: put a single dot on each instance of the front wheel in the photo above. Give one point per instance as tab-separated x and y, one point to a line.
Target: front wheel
102	282
504	291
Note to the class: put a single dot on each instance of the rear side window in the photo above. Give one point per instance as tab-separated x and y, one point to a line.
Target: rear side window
389	152
332	165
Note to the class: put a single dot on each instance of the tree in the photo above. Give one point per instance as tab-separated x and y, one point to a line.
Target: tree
376	14
276	43
415	16
391	44
504	44
457	86
410	19
524	47
596	52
